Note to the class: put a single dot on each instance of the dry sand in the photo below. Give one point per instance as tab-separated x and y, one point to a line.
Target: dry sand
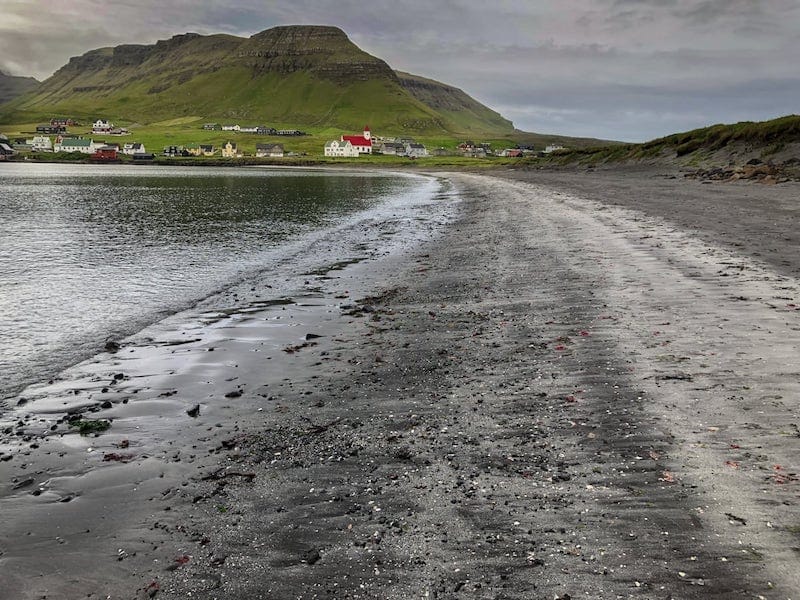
586	388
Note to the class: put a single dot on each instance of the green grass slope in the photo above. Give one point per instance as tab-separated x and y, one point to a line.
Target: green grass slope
777	139
455	105
12	87
300	76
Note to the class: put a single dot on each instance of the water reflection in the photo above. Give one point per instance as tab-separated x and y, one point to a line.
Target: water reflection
88	250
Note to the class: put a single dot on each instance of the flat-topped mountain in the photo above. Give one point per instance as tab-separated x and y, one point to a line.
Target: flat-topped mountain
12	86
311	76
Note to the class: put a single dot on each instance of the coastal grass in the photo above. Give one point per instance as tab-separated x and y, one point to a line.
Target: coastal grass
768	137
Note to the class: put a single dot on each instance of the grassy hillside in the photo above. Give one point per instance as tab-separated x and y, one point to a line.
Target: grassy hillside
454	104
778	139
298	76
12	87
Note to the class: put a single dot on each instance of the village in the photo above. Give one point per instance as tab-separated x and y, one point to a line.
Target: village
55	137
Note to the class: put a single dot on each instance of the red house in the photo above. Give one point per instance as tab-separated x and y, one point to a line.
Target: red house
104	154
362	143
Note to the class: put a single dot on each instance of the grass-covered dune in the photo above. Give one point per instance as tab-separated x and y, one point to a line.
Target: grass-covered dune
777	140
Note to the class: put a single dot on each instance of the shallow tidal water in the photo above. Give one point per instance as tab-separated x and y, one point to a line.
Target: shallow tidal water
90	253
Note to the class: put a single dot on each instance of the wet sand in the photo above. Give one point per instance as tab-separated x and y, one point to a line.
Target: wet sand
577	391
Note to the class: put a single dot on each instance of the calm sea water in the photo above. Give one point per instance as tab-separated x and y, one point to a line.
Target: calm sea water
89	252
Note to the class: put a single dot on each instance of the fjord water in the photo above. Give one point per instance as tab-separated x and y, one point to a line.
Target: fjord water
89	253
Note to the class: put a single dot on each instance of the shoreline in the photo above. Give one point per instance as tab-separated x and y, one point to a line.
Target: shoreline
559	398
53	356
545	401
173	393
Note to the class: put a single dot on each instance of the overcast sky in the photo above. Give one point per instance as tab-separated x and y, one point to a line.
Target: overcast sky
616	69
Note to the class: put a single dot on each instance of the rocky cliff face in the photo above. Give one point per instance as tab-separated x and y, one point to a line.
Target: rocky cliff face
322	51
326	52
144	59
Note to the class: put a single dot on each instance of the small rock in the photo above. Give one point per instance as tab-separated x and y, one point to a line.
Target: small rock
311	557
218	561
404	453
194	412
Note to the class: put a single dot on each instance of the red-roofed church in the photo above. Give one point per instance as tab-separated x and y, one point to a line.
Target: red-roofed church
362	143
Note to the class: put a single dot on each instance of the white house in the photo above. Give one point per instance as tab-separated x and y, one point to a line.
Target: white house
340	148
414	150
230	128
248	129
553	148
101	126
362	143
76	145
40	143
133	148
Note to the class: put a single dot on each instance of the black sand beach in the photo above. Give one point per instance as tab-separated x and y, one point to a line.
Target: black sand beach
586	388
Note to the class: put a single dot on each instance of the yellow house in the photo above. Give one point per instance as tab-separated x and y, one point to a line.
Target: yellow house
202	149
229	150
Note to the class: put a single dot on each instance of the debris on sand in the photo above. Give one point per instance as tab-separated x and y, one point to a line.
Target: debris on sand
88	426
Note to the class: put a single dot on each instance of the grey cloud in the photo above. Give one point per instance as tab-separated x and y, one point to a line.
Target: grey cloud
627	69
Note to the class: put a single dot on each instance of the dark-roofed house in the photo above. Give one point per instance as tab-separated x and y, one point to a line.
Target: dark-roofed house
415	150
393	148
270	150
51	129
173	151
